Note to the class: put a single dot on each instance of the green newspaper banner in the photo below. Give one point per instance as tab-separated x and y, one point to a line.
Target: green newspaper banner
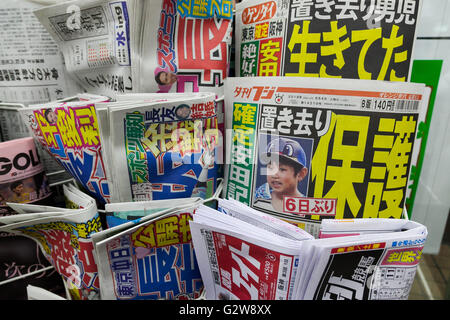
242	152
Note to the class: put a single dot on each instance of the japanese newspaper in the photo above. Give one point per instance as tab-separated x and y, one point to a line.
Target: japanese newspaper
32	69
379	265
308	149
22	181
219	106
161	150
330	39
182	52
65	239
243	257
68	130
97	39
153	259
250	259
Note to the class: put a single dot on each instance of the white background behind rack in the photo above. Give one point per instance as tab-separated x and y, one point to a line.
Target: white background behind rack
432	202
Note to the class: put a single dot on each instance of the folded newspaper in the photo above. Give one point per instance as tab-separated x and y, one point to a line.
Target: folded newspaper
308	149
68	130
115	47
244	255
182	53
64	236
32	69
97	39
330	39
150	257
160	146
122	212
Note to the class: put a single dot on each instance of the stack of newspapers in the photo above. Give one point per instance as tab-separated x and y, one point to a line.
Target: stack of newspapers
117	47
244	254
64	236
140	147
316	169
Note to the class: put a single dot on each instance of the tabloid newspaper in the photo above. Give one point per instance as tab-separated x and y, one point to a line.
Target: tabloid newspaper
96	38
162	148
68	130
116	47
330	39
65	239
182	53
245	257
308	149
151	257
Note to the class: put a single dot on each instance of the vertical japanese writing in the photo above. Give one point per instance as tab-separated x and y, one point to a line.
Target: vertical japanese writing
242	152
136	155
166	56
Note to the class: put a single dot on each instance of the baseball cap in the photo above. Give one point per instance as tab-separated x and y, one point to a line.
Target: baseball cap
288	149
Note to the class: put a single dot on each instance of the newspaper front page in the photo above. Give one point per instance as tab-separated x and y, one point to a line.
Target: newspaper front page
328	39
308	149
12	127
377	266
241	261
122	212
181	53
167	149
65	240
152	259
68	130
97	39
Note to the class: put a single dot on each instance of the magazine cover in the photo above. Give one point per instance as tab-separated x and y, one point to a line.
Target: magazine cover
22	181
310	148
328	39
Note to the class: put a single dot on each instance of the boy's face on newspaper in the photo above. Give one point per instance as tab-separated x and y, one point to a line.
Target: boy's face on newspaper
282	178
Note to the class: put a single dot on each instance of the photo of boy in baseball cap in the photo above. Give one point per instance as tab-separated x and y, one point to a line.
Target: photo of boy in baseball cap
285	161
